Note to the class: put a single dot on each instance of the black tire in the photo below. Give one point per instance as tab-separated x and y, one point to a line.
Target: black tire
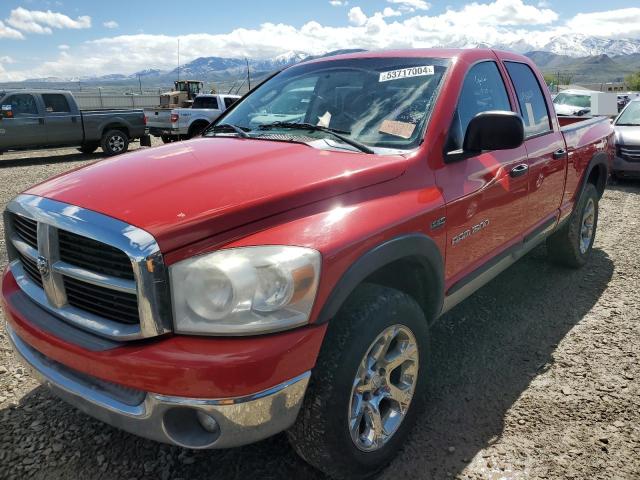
564	246
196	129
166	139
89	148
321	434
114	142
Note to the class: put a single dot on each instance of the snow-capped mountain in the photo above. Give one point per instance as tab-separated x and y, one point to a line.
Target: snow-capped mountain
221	68
584	45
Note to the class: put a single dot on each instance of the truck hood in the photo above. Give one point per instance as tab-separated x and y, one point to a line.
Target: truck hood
188	191
627	135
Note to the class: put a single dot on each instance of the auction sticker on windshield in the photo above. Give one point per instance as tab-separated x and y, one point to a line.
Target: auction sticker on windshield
406	73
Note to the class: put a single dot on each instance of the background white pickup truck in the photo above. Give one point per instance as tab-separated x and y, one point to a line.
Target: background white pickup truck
173	124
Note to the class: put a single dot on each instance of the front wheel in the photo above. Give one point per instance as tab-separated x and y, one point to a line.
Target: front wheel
115	142
367	387
572	244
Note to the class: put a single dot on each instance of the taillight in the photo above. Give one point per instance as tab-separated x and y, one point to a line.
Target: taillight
145	119
174	117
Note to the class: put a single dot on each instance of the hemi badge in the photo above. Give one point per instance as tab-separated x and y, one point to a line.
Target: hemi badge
438	223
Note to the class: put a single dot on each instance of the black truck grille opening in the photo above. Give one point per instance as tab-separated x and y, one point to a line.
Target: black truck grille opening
93	255
30	269
26	229
104	302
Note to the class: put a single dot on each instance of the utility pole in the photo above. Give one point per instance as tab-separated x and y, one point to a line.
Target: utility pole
178	59
140	84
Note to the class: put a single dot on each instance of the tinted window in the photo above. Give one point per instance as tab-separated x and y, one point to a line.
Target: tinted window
205	102
228	101
54	102
533	106
21	105
483	90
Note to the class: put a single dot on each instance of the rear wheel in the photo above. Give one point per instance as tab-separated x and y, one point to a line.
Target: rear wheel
367	387
166	139
572	244
115	142
196	129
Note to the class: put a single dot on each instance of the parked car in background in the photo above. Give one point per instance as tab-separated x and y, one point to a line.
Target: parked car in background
184	123
627	129
31	119
288	106
573	102
284	275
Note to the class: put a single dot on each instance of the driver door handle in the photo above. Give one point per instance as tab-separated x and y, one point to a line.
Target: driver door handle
558	154
519	170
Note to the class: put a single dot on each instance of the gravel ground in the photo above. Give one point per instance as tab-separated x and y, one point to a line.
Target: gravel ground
535	376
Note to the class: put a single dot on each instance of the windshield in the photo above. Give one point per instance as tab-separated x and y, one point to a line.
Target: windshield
573	100
377	102
630	115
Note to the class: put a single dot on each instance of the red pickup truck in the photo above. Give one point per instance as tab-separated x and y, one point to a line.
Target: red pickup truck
282	274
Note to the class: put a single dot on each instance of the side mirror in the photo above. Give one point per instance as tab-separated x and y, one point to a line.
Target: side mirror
492	130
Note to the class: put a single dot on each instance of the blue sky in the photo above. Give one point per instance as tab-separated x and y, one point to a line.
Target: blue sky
77	38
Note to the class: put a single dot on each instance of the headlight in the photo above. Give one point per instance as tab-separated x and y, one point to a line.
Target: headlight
244	291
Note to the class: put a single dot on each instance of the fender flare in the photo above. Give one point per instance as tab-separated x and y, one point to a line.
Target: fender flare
417	247
599	160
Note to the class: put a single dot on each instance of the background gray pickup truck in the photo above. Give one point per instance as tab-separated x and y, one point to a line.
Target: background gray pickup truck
51	118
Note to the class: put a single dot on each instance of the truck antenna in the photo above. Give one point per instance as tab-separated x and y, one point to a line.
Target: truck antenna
178	59
248	73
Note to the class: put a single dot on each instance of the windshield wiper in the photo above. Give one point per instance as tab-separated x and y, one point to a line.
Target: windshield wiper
628	124
227	127
339	134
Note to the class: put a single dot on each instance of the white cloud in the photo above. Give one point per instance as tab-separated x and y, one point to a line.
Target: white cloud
621	23
390	12
338	3
6	59
111	24
36	21
7	32
411	5
357	17
63	47
500	13
499	22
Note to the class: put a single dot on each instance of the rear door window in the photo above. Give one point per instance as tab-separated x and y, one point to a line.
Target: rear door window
228	101
55	103
20	105
533	106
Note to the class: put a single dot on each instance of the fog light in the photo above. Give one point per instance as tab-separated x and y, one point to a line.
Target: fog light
207	422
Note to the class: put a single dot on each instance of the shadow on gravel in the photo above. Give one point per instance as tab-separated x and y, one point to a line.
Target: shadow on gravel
485	353
626	185
48	159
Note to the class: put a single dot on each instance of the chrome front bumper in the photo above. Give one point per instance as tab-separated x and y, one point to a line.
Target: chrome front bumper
173	420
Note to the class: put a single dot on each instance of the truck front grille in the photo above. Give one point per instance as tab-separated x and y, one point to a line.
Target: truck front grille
26	229
631	153
93	255
108	303
31	269
116	288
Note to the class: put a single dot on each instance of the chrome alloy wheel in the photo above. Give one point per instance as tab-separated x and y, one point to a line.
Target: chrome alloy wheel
116	143
383	388
587	224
